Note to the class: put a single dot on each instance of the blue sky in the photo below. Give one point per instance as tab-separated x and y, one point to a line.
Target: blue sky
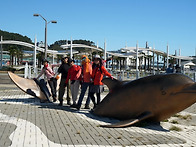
119	22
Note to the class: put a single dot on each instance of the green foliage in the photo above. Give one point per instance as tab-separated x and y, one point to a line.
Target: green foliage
174	122
56	45
174	128
185	117
16	37
63	42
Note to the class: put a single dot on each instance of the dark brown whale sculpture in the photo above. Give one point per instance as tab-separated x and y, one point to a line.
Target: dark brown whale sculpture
153	98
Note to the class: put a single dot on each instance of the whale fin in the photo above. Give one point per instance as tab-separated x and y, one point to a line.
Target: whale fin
112	83
129	122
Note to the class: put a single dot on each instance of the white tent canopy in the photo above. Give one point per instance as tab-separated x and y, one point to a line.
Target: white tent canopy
188	64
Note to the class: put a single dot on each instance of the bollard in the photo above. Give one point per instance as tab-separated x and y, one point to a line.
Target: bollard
123	75
194	76
29	73
119	77
128	75
35	72
26	70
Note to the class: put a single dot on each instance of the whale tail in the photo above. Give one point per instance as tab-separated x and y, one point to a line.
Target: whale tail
130	122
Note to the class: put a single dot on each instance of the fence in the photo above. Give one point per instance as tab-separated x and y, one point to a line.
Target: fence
30	72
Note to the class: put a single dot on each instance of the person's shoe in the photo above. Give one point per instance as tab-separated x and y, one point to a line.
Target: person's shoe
68	103
78	107
43	101
86	107
91	111
94	106
73	105
54	99
60	104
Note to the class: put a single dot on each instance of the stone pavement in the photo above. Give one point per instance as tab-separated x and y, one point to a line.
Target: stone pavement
25	122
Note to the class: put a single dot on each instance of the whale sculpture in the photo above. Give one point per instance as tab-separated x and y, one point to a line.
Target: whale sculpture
153	98
29	86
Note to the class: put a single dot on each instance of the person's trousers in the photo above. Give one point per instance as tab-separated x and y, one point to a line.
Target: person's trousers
75	90
53	83
85	85
62	87
69	91
91	95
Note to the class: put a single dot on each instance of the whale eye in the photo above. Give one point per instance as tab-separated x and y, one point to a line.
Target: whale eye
163	92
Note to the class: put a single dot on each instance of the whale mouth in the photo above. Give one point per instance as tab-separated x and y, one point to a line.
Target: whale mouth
186	91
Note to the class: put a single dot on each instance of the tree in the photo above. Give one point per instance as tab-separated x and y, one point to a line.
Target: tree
40	57
12	53
19	55
14	36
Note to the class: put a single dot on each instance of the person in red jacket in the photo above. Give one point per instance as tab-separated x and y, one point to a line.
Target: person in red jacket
74	73
97	75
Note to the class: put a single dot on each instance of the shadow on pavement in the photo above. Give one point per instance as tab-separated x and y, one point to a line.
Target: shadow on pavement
87	113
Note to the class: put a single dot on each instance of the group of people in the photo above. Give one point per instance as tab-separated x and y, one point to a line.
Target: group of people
89	75
170	69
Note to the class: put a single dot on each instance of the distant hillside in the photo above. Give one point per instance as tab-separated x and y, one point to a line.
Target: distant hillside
56	45
14	36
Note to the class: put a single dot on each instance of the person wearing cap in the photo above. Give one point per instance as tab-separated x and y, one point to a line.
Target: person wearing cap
63	69
74	73
170	69
97	75
52	81
85	78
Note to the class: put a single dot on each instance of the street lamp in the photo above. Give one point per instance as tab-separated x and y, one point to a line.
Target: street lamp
46	22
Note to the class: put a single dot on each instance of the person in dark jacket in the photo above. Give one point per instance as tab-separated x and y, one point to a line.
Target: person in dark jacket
63	69
169	69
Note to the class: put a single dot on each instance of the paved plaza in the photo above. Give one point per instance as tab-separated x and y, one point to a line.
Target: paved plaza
25	122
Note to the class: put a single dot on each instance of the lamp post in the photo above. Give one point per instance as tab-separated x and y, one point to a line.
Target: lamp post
46	22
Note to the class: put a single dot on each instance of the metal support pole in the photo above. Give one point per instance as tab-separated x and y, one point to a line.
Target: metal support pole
153	60
167	55
53	58
179	59
105	50
34	58
46	46
46	22
137	72
71	52
97	45
176	60
1	65
194	76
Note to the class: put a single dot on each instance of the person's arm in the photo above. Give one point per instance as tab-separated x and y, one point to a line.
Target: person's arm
60	69
105	72
90	69
55	65
41	73
68	75
78	74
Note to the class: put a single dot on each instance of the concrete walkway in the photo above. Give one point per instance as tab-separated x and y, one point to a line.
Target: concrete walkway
25	122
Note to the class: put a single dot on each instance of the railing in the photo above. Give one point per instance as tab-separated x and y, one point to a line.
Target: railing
131	75
30	72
